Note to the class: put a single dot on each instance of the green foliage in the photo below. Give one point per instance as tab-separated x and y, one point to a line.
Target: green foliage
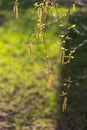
24	93
23	74
24	4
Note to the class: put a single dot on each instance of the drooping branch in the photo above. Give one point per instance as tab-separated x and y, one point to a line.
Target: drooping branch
79	33
80	45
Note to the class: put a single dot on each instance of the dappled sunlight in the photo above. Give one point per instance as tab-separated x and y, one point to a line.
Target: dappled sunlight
42	65
26	102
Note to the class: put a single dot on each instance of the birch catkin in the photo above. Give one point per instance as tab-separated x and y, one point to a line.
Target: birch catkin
15	8
64	104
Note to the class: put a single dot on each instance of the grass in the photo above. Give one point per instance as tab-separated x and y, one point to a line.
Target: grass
25	101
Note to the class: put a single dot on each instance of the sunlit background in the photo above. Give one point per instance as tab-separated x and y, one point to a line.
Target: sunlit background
26	102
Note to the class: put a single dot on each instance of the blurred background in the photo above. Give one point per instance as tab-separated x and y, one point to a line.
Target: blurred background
26	103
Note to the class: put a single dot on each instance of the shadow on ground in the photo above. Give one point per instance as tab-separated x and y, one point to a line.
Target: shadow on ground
75	117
